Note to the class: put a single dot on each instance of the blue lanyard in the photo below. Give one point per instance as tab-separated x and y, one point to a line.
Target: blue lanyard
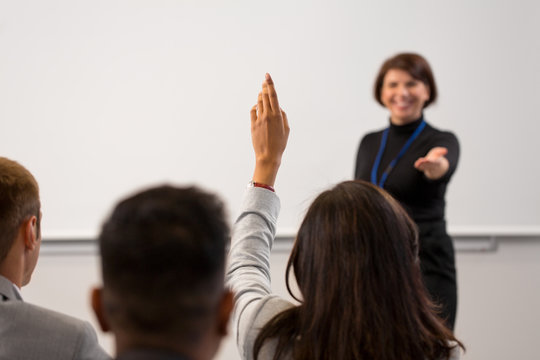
393	163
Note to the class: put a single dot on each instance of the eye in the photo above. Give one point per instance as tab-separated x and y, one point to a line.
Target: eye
392	84
411	83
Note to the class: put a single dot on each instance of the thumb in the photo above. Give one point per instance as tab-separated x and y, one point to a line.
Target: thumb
439	151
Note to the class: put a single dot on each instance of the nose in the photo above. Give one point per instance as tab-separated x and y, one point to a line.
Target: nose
403	90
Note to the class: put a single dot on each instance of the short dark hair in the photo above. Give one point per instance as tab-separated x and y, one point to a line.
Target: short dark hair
19	200
163	259
416	66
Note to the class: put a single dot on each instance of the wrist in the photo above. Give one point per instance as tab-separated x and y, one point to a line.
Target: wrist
261	185
265	173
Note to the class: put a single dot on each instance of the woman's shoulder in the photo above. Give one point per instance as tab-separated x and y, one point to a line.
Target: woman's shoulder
268	308
455	351
372	138
441	133
264	311
374	133
437	137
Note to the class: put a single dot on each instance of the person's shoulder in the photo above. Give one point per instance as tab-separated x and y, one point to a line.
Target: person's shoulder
44	316
266	310
270	307
441	137
455	351
374	133
39	320
439	132
371	137
37	329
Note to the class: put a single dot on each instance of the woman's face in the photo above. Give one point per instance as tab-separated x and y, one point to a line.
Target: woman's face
404	96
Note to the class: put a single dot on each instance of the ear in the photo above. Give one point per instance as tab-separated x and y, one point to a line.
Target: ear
97	305
30	233
225	310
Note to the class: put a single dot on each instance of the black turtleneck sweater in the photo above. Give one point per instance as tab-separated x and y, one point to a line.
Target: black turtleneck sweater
423	199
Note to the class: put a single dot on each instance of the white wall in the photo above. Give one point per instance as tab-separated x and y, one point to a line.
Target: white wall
101	97
499	293
499	297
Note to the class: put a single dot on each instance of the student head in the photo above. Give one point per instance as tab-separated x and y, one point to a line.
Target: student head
355	260
360	241
405	85
163	259
19	222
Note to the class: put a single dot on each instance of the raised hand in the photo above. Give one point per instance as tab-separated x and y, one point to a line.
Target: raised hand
269	133
434	165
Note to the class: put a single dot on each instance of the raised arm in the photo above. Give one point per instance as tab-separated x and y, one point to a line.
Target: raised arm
248	273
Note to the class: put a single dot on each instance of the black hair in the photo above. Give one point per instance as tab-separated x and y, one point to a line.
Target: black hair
163	258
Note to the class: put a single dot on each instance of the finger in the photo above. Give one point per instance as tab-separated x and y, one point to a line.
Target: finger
285	120
442	151
265	98
260	108
422	167
272	94
419	162
253	114
438	151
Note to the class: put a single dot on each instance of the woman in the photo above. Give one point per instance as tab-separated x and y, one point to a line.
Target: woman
414	162
354	260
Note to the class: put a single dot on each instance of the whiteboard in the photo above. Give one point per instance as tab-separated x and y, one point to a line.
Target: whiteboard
102	98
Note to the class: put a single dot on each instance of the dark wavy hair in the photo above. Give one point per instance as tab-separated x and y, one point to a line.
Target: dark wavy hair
416	66
355	261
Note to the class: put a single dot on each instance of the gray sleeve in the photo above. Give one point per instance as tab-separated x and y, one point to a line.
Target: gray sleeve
248	274
88	346
455	353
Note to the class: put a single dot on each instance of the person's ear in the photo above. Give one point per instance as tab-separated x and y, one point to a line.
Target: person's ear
97	305
30	233
225	310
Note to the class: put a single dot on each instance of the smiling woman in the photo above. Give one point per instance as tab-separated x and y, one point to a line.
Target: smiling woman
414	162
404	96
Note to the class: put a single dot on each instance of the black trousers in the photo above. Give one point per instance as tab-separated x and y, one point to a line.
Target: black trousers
437	263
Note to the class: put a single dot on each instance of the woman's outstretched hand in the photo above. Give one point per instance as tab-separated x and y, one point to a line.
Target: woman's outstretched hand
434	165
269	133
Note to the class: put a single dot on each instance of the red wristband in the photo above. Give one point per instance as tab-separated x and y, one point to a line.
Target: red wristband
261	185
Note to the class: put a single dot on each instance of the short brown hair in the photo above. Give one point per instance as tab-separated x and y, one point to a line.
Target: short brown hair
19	199
415	65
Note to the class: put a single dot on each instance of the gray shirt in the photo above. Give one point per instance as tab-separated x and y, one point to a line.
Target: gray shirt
248	274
